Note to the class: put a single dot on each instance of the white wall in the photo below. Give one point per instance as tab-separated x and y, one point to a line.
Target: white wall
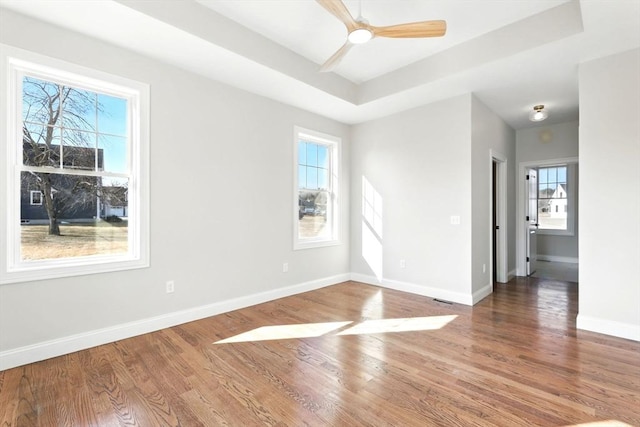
610	170
548	142
419	162
206	137
490	134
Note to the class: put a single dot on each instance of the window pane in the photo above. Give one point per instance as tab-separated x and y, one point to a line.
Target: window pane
552	175
323	158
323	179
312	155
40	99
78	150
302	153
312	178
546	192
112	154
91	211
112	115
40	146
562	174
542	176
79	109
302	176
313	215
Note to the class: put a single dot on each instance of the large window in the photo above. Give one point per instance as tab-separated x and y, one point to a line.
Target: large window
316	185
76	198
555	199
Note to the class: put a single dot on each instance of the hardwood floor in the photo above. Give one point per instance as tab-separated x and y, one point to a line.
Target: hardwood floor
515	359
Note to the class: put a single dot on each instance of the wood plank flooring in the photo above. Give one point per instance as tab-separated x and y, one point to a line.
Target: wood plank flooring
515	359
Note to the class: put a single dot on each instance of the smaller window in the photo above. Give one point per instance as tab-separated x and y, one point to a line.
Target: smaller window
36	198
316	158
556	199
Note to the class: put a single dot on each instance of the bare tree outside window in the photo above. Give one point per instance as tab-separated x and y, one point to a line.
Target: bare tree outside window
71	139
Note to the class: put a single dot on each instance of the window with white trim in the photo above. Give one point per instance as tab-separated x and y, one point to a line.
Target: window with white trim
556	199
315	189
36	197
76	170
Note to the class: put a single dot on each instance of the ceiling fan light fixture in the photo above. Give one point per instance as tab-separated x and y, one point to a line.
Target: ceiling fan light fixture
538	114
360	36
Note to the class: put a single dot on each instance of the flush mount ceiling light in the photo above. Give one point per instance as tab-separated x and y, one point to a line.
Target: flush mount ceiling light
538	114
359	36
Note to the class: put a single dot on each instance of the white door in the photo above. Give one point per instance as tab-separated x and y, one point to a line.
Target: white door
531	222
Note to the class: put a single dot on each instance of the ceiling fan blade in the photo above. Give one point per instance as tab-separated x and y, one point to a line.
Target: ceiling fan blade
340	11
335	59
412	30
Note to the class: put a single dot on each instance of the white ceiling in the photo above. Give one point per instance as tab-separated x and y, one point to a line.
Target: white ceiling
307	29
511	54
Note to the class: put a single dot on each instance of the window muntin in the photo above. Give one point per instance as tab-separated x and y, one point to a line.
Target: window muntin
316	183
79	138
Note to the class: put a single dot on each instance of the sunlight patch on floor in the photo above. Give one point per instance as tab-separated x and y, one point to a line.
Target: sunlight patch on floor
310	330
283	332
399	325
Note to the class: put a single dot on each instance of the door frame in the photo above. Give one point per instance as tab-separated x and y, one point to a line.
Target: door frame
502	263
521	225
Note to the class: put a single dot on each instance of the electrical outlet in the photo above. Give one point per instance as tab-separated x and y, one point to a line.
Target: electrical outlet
170	287
455	219
403	263
285	267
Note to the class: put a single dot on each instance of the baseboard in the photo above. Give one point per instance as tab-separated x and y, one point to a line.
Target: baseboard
412	288
58	347
482	293
553	258
608	327
513	273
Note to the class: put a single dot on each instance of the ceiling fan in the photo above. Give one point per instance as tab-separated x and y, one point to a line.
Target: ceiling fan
361	32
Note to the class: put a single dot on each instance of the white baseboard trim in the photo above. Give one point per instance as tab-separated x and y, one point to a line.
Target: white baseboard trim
482	293
608	327
58	347
513	273
553	258
412	288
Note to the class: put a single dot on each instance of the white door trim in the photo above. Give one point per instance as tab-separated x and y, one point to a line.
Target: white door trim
502	275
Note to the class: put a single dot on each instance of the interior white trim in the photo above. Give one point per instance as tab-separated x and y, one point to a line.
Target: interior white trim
58	347
608	327
412	288
501	217
481	293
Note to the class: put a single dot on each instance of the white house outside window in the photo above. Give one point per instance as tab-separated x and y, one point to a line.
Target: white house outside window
315	189
77	154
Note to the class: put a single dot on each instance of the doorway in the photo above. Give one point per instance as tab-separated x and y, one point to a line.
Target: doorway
548	207
498	219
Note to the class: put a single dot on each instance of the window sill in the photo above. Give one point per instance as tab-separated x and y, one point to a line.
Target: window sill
315	244
58	269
